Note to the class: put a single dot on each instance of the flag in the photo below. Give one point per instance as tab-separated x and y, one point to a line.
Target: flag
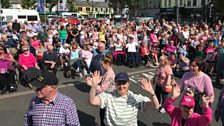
40	5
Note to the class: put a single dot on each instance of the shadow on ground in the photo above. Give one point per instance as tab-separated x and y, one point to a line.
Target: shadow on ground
160	124
81	86
86	120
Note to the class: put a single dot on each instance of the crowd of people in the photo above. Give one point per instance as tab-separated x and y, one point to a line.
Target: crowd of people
191	51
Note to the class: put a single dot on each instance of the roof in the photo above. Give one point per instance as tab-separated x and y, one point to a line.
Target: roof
94	4
15	1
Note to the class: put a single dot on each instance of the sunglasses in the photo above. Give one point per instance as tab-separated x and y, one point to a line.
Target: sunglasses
121	83
1	49
25	50
192	65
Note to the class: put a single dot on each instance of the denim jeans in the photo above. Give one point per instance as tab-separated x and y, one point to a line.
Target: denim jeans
63	41
133	57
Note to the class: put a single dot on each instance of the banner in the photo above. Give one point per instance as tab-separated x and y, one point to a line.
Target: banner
40	5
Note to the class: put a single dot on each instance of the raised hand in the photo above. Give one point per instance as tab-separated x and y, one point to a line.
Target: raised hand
89	81
206	100
147	86
96	78
175	91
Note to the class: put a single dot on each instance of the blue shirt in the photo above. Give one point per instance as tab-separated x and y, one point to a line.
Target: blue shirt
60	112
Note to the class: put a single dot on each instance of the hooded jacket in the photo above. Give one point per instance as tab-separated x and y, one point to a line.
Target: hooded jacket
194	120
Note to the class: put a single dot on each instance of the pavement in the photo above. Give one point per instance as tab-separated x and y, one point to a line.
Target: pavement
14	105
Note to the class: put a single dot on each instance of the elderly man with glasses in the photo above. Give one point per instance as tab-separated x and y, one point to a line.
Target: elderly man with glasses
122	105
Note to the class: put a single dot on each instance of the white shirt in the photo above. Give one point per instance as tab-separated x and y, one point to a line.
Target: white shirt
132	47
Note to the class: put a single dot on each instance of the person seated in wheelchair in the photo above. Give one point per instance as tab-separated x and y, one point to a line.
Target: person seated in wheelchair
50	60
26	61
75	60
64	54
7	71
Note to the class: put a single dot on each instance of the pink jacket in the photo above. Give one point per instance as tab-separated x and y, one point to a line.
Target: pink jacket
195	119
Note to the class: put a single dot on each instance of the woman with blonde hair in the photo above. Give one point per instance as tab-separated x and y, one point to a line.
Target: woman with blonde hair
163	80
106	83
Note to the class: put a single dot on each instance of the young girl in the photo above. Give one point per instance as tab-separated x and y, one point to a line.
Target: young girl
162	79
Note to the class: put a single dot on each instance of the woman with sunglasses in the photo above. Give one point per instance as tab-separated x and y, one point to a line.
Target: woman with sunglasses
27	60
6	72
196	83
106	83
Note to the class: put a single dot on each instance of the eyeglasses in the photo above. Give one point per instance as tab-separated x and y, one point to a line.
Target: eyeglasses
186	107
25	50
121	83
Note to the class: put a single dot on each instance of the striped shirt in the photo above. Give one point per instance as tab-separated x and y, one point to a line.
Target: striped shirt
121	110
60	112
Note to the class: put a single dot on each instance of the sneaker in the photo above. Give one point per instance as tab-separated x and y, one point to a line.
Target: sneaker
162	110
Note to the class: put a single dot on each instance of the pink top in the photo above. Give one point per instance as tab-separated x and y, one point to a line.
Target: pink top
170	48
86	54
202	83
153	37
162	75
107	82
194	120
209	49
28	61
35	44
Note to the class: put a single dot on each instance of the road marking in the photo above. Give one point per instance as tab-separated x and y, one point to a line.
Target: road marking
71	84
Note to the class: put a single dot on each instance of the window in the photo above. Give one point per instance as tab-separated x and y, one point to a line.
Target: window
61	7
181	3
165	3
60	1
21	16
189	3
106	10
32	18
87	9
79	8
96	9
169	3
202	2
194	2
101	9
9	18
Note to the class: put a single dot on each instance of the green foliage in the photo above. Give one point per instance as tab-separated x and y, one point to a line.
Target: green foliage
28	4
50	4
219	4
5	3
71	5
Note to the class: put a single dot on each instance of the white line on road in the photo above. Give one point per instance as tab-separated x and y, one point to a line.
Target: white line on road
60	86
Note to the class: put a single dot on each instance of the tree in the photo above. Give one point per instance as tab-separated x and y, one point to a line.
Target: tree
117	5
133	6
28	4
50	4
219	4
71	5
5	3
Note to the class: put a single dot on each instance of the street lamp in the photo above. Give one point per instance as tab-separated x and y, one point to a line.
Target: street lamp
177	11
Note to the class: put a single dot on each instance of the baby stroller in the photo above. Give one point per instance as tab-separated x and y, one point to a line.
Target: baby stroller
210	63
74	68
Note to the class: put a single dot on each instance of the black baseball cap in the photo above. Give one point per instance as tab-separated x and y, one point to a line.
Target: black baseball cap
46	78
121	77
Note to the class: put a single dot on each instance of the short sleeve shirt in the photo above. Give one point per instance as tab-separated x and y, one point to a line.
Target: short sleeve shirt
121	110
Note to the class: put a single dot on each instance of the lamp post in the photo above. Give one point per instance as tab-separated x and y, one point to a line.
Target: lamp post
177	11
1	18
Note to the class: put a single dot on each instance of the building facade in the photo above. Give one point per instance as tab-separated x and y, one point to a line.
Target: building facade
148	8
192	10
93	9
